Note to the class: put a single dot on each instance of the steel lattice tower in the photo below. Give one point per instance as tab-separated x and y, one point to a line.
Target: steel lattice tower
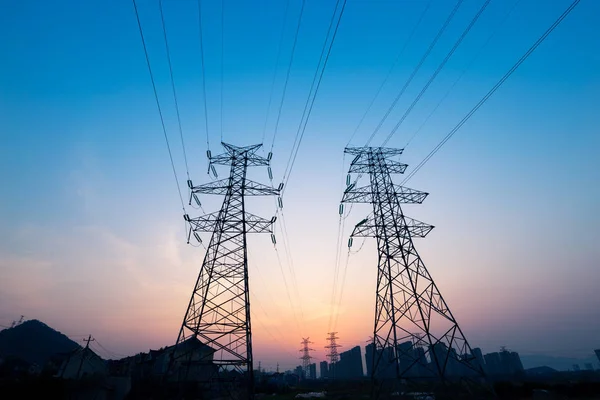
218	314
416	339
306	357
332	346
333	355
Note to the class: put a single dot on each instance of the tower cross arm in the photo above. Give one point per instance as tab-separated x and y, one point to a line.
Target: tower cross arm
236	152
409	196
254	223
365	195
410	228
253	160
357	195
222	186
384	151
364	166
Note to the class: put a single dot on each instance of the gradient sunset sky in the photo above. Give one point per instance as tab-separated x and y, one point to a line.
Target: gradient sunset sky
92	237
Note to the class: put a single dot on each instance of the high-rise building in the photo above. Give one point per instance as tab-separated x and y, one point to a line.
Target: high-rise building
504	363
300	372
597	351
323	366
369	353
479	358
493	364
350	364
589	366
312	371
386	367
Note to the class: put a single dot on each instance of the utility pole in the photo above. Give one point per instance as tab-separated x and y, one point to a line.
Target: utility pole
333	353
218	313
407	298
306	356
87	345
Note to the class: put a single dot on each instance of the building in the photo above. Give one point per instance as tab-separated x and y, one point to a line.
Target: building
479	361
190	360
385	361
350	364
312	371
369	352
503	363
324	370
493	365
81	363
597	351
300	372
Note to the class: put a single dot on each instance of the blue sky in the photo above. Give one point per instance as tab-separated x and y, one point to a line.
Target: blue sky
92	236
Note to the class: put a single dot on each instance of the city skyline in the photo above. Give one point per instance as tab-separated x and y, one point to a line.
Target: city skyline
93	237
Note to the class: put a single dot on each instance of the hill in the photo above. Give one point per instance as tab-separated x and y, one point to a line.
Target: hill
34	342
557	363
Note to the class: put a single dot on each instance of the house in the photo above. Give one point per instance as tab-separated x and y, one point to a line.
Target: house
191	360
82	362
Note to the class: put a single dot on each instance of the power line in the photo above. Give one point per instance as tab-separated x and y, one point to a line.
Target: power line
222	58
162	121
287	7
162	19
287	76
339	304
302	128
109	352
493	89
337	246
203	73
389	73
437	71
287	290
461	74
416	69
290	261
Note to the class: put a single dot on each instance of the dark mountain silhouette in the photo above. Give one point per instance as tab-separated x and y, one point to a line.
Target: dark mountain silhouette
558	363
541	371
34	342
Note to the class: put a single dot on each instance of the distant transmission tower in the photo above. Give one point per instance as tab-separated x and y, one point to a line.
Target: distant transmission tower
407	298
306	356
333	355
215	341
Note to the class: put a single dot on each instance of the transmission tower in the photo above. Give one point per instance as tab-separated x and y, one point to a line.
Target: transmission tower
306	356
333	355
214	346
438	355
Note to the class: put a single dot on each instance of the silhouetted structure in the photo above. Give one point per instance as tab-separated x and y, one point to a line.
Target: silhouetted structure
333	353
324	369
300	372
218	314
406	295
350	364
34	342
504	363
306	357
597	351
83	362
312	371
